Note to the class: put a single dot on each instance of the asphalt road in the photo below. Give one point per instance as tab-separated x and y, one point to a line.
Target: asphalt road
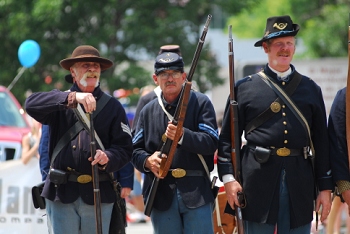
139	228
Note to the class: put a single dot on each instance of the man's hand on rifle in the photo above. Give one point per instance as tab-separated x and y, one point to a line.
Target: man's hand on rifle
100	158
232	188
87	100
171	131
153	163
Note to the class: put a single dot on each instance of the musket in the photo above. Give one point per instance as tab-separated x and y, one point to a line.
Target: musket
235	136
347	114
169	146
95	179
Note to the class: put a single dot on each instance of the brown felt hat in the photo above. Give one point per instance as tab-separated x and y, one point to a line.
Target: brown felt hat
278	26
86	53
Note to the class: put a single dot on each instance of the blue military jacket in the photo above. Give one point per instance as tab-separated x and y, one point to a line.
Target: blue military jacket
111	125
261	181
200	137
337	138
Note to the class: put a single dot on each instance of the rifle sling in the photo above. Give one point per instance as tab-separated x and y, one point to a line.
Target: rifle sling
289	102
82	118
77	127
170	117
268	113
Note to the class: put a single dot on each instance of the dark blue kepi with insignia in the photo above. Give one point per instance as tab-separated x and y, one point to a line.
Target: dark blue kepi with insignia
168	61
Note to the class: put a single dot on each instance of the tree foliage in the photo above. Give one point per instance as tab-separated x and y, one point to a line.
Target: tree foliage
323	22
129	32
126	31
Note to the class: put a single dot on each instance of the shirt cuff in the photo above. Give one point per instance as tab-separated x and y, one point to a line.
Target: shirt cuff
72	101
343	185
228	178
144	165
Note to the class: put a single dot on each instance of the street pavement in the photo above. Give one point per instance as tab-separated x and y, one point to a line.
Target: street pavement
139	228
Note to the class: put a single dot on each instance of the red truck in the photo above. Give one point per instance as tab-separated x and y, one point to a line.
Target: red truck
13	126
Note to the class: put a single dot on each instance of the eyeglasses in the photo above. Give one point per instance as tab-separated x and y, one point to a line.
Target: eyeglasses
165	75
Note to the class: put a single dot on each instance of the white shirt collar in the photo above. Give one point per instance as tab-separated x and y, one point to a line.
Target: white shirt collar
282	75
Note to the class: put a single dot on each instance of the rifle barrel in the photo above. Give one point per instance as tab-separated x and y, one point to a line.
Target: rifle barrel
235	136
199	49
151	196
169	146
95	180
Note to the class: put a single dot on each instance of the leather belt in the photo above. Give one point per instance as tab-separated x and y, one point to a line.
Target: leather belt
282	152
84	178
179	173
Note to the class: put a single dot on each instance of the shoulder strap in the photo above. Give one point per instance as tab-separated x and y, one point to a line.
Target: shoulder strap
269	113
70	134
82	118
86	122
77	127
289	102
101	103
204	165
170	117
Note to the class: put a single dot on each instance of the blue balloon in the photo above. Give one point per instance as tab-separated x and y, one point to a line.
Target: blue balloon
28	53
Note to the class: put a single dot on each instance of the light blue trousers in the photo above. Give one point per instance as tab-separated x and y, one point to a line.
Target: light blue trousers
179	219
76	217
283	222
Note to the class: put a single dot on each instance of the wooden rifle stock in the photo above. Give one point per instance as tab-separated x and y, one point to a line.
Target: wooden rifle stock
347	114
95	180
169	146
178	120
235	136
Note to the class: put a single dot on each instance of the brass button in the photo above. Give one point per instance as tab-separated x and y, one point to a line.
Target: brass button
283	106
74	147
284	123
284	114
275	107
285	132
285	141
283	83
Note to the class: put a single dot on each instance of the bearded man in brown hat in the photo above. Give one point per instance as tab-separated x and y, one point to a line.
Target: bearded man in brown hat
283	117
68	190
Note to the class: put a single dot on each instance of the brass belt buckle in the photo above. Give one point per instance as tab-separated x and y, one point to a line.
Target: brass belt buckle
283	152
178	173
83	179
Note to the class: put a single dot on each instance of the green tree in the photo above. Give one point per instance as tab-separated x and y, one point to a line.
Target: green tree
323	22
327	34
125	31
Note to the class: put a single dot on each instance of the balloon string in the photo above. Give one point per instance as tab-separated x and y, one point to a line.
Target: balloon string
16	78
